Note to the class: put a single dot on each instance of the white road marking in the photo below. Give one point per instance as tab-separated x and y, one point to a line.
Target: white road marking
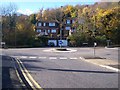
42	57
52	57
81	58
73	58
32	57
14	56
105	66
23	57
108	67
63	57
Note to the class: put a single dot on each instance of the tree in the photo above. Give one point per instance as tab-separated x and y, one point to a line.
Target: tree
39	15
33	19
70	11
8	14
9	9
109	23
25	31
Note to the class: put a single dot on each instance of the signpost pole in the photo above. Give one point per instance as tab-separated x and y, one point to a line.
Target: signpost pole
94	47
61	28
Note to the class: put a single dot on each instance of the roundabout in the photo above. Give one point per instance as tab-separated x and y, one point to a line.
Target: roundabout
59	50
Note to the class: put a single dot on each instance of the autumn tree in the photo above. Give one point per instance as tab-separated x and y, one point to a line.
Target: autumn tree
25	31
8	14
109	23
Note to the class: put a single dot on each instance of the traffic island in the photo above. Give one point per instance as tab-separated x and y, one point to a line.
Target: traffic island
59	50
91	57
62	49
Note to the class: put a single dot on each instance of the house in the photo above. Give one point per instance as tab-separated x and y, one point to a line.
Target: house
68	26
48	28
52	30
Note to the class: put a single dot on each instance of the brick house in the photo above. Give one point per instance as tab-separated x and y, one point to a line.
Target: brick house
48	28
68	26
52	30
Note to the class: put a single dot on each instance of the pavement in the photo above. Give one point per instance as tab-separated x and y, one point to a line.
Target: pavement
10	78
110	64
105	62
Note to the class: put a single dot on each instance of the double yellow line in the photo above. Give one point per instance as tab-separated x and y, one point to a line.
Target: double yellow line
32	83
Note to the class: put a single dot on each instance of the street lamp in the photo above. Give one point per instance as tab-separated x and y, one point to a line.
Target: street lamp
61	29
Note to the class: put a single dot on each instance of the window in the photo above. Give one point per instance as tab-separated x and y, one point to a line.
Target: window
68	22
44	24
67	28
51	24
38	30
53	31
48	31
39	24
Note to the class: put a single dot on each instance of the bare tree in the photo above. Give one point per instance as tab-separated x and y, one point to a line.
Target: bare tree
8	10
8	13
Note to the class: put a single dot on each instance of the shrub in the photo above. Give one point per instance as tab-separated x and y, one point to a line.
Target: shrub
101	40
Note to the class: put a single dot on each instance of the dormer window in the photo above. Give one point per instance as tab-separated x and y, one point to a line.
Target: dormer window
51	24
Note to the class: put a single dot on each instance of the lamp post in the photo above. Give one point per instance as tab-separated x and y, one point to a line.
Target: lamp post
61	29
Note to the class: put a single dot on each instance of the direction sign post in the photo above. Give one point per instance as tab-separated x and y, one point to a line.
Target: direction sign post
60	42
95	44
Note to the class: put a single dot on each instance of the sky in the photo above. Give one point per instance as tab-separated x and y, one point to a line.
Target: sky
33	6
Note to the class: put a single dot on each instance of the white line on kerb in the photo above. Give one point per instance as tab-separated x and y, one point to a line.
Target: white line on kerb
63	58
32	57
52	57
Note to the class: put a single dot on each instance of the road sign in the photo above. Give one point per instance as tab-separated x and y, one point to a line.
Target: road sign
60	42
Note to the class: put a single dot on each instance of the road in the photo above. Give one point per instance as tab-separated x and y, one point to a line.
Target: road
66	69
